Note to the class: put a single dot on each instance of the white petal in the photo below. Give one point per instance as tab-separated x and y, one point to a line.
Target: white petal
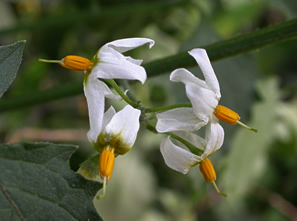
134	61
177	158
126	124
95	98
203	100
110	67
203	61
127	44
178	119
108	115
111	64
194	139
214	138
185	76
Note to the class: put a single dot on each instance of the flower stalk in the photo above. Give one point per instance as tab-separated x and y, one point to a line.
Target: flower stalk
120	92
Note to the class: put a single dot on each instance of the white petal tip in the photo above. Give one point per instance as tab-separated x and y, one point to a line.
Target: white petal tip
196	51
151	43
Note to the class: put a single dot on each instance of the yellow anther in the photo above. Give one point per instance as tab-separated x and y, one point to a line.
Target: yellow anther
230	117
207	170
209	174
106	163
226	115
76	63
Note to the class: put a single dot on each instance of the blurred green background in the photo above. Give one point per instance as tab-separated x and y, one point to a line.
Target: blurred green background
257	171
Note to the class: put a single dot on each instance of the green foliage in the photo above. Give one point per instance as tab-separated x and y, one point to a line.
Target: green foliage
37	184
10	60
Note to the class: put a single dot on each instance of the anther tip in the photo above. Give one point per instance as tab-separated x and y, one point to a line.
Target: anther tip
103	189
217	189
223	194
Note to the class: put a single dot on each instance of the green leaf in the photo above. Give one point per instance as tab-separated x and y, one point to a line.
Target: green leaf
37	184
10	60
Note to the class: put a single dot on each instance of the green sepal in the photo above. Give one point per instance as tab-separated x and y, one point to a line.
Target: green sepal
90	168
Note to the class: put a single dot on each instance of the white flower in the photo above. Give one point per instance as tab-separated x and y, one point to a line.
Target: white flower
118	135
119	130
109	63
204	96
178	158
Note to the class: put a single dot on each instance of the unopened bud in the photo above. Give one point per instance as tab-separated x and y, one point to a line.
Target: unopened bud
207	170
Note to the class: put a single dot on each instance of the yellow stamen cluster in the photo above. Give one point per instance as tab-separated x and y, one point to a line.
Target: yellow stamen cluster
76	63
106	163
226	115
206	168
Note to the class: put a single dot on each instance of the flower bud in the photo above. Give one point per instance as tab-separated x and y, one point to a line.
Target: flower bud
207	170
76	63
226	115
106	163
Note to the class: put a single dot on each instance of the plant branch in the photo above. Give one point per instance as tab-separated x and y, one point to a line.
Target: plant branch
226	48
223	49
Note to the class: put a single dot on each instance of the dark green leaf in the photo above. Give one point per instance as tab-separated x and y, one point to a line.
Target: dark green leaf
37	184
10	60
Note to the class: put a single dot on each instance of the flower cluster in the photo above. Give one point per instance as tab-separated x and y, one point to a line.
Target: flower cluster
114	133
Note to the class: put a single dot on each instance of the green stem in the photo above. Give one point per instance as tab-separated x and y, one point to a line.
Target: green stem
226	48
120	92
165	108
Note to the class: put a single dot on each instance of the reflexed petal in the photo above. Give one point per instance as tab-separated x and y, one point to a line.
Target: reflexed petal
95	98
178	119
203	61
214	138
123	45
134	61
185	76
194	139
177	158
108	115
110	67
111	64
126	124
203	100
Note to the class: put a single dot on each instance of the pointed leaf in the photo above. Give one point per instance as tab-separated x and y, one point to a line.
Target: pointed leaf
10	60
